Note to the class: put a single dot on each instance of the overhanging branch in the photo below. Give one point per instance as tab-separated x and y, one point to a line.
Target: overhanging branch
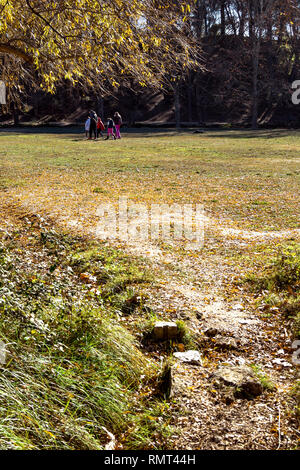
44	20
16	52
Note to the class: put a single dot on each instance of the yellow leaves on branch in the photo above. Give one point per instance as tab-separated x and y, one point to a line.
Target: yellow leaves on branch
66	39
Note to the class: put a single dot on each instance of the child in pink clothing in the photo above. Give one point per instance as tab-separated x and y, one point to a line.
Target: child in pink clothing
118	123
110	129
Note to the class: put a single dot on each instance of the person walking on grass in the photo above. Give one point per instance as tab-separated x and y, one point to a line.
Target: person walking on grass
87	126
118	124
110	128
100	127
93	125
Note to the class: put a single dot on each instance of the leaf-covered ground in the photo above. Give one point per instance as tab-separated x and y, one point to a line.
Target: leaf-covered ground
248	183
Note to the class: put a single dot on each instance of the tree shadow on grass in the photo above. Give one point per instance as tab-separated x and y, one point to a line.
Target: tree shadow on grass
248	134
76	134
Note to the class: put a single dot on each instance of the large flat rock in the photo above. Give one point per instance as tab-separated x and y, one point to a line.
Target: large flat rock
241	379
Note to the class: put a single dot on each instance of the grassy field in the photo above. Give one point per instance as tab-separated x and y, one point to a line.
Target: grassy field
249	178
77	361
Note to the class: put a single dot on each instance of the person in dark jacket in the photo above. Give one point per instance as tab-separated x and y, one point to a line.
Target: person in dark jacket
93	124
110	128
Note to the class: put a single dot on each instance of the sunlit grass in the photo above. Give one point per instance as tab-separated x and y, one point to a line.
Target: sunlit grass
249	179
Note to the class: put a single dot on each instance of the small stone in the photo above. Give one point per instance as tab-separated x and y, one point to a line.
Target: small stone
189	357
211	332
164	330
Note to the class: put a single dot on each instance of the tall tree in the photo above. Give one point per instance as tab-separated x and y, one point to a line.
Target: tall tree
93	43
259	12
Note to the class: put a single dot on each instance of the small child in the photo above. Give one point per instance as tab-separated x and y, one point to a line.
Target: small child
100	127
110	129
87	126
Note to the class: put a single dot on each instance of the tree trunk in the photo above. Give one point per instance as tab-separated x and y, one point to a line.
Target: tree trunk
222	18
177	105
15	113
200	116
250	11
200	14
100	107
242	21
190	98
255	31
35	103
255	58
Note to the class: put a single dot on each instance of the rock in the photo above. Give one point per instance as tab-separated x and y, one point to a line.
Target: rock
182	314
164	330
211	332
222	342
178	387
242	379
216	329
189	357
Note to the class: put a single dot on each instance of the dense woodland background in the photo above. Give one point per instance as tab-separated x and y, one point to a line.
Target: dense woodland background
249	60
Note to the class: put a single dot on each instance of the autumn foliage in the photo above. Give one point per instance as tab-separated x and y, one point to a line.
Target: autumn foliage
92	43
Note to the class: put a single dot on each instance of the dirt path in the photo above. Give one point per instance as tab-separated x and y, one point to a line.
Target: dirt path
237	336
205	418
189	288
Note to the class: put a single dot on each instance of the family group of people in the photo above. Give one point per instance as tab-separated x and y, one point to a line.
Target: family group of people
94	126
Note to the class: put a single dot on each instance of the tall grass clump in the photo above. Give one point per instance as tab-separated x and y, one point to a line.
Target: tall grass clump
72	373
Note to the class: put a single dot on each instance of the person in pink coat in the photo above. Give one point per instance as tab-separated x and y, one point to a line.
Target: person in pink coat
118	124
